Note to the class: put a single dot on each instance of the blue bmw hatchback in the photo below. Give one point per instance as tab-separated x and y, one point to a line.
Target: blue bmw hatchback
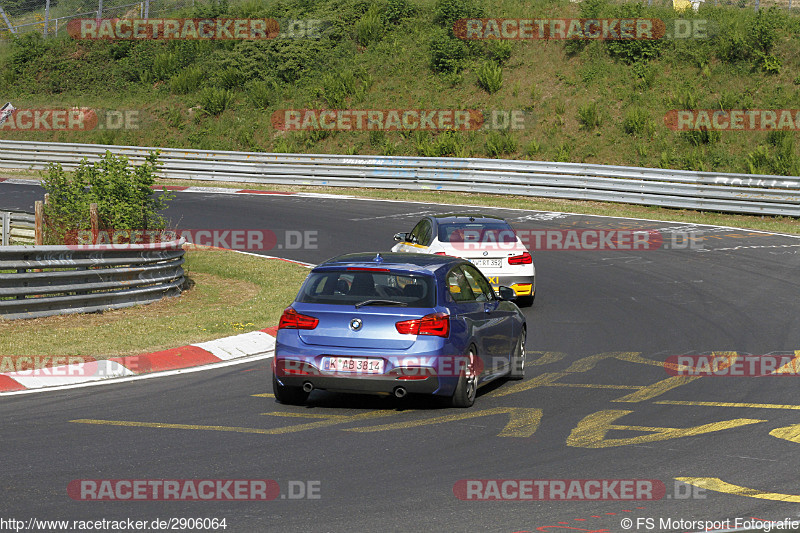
397	323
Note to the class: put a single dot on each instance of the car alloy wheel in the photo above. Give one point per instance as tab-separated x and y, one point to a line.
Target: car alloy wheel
518	358
467	388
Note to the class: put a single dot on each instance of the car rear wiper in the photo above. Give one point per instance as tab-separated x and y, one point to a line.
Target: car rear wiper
380	302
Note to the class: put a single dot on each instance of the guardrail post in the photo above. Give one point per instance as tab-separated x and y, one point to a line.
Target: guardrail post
46	17
6	229
38	238
95	220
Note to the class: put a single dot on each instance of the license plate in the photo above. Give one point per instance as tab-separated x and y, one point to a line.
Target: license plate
487	262
360	365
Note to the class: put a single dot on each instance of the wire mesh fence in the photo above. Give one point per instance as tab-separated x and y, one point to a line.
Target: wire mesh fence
50	17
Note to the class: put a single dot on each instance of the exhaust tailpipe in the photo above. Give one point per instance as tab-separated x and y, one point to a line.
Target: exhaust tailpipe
308	386
399	392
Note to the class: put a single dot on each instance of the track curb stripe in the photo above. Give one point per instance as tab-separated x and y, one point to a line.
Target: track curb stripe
8	384
190	188
193	355
172	359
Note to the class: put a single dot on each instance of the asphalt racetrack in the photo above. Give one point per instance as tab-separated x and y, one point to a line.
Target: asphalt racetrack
597	402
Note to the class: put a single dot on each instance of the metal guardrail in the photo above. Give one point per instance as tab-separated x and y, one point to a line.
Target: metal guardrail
17	228
53	280
707	191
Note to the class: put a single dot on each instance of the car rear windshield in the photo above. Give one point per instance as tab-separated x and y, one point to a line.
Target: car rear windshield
378	288
464	232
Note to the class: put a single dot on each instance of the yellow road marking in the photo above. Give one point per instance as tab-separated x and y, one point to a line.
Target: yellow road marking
588	363
306	415
264	395
641	393
721	361
537	381
593	386
790	433
273	431
172	426
716	484
792	367
591	431
731	404
648	392
524	421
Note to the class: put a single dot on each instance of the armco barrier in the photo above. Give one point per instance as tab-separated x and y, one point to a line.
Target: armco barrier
708	191
52	280
17	228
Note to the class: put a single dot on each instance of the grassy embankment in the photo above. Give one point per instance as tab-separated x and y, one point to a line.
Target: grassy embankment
598	102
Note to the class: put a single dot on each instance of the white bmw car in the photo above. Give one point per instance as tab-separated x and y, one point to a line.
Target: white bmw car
490	243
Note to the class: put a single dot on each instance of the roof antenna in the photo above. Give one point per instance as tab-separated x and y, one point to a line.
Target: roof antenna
378	258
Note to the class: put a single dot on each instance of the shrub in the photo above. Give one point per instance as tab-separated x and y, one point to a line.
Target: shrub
686	99
563	152
122	192
762	32
771	64
638	122
447	53
262	93
369	28
186	81
532	148
285	144
451	144
377	138
781	160
702	136
498	144
397	10
589	116
230	78
446	12
446	144
164	66
778	137
210	10
340	84
633	50
734	48
26	49
490	77
499	51
214	101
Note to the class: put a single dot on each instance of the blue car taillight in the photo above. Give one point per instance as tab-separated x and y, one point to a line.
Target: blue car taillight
291	319
437	324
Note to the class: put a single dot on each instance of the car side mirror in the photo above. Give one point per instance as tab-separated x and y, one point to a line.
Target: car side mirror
506	293
401	237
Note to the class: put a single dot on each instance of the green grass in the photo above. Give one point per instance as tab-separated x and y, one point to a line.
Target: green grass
231	293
